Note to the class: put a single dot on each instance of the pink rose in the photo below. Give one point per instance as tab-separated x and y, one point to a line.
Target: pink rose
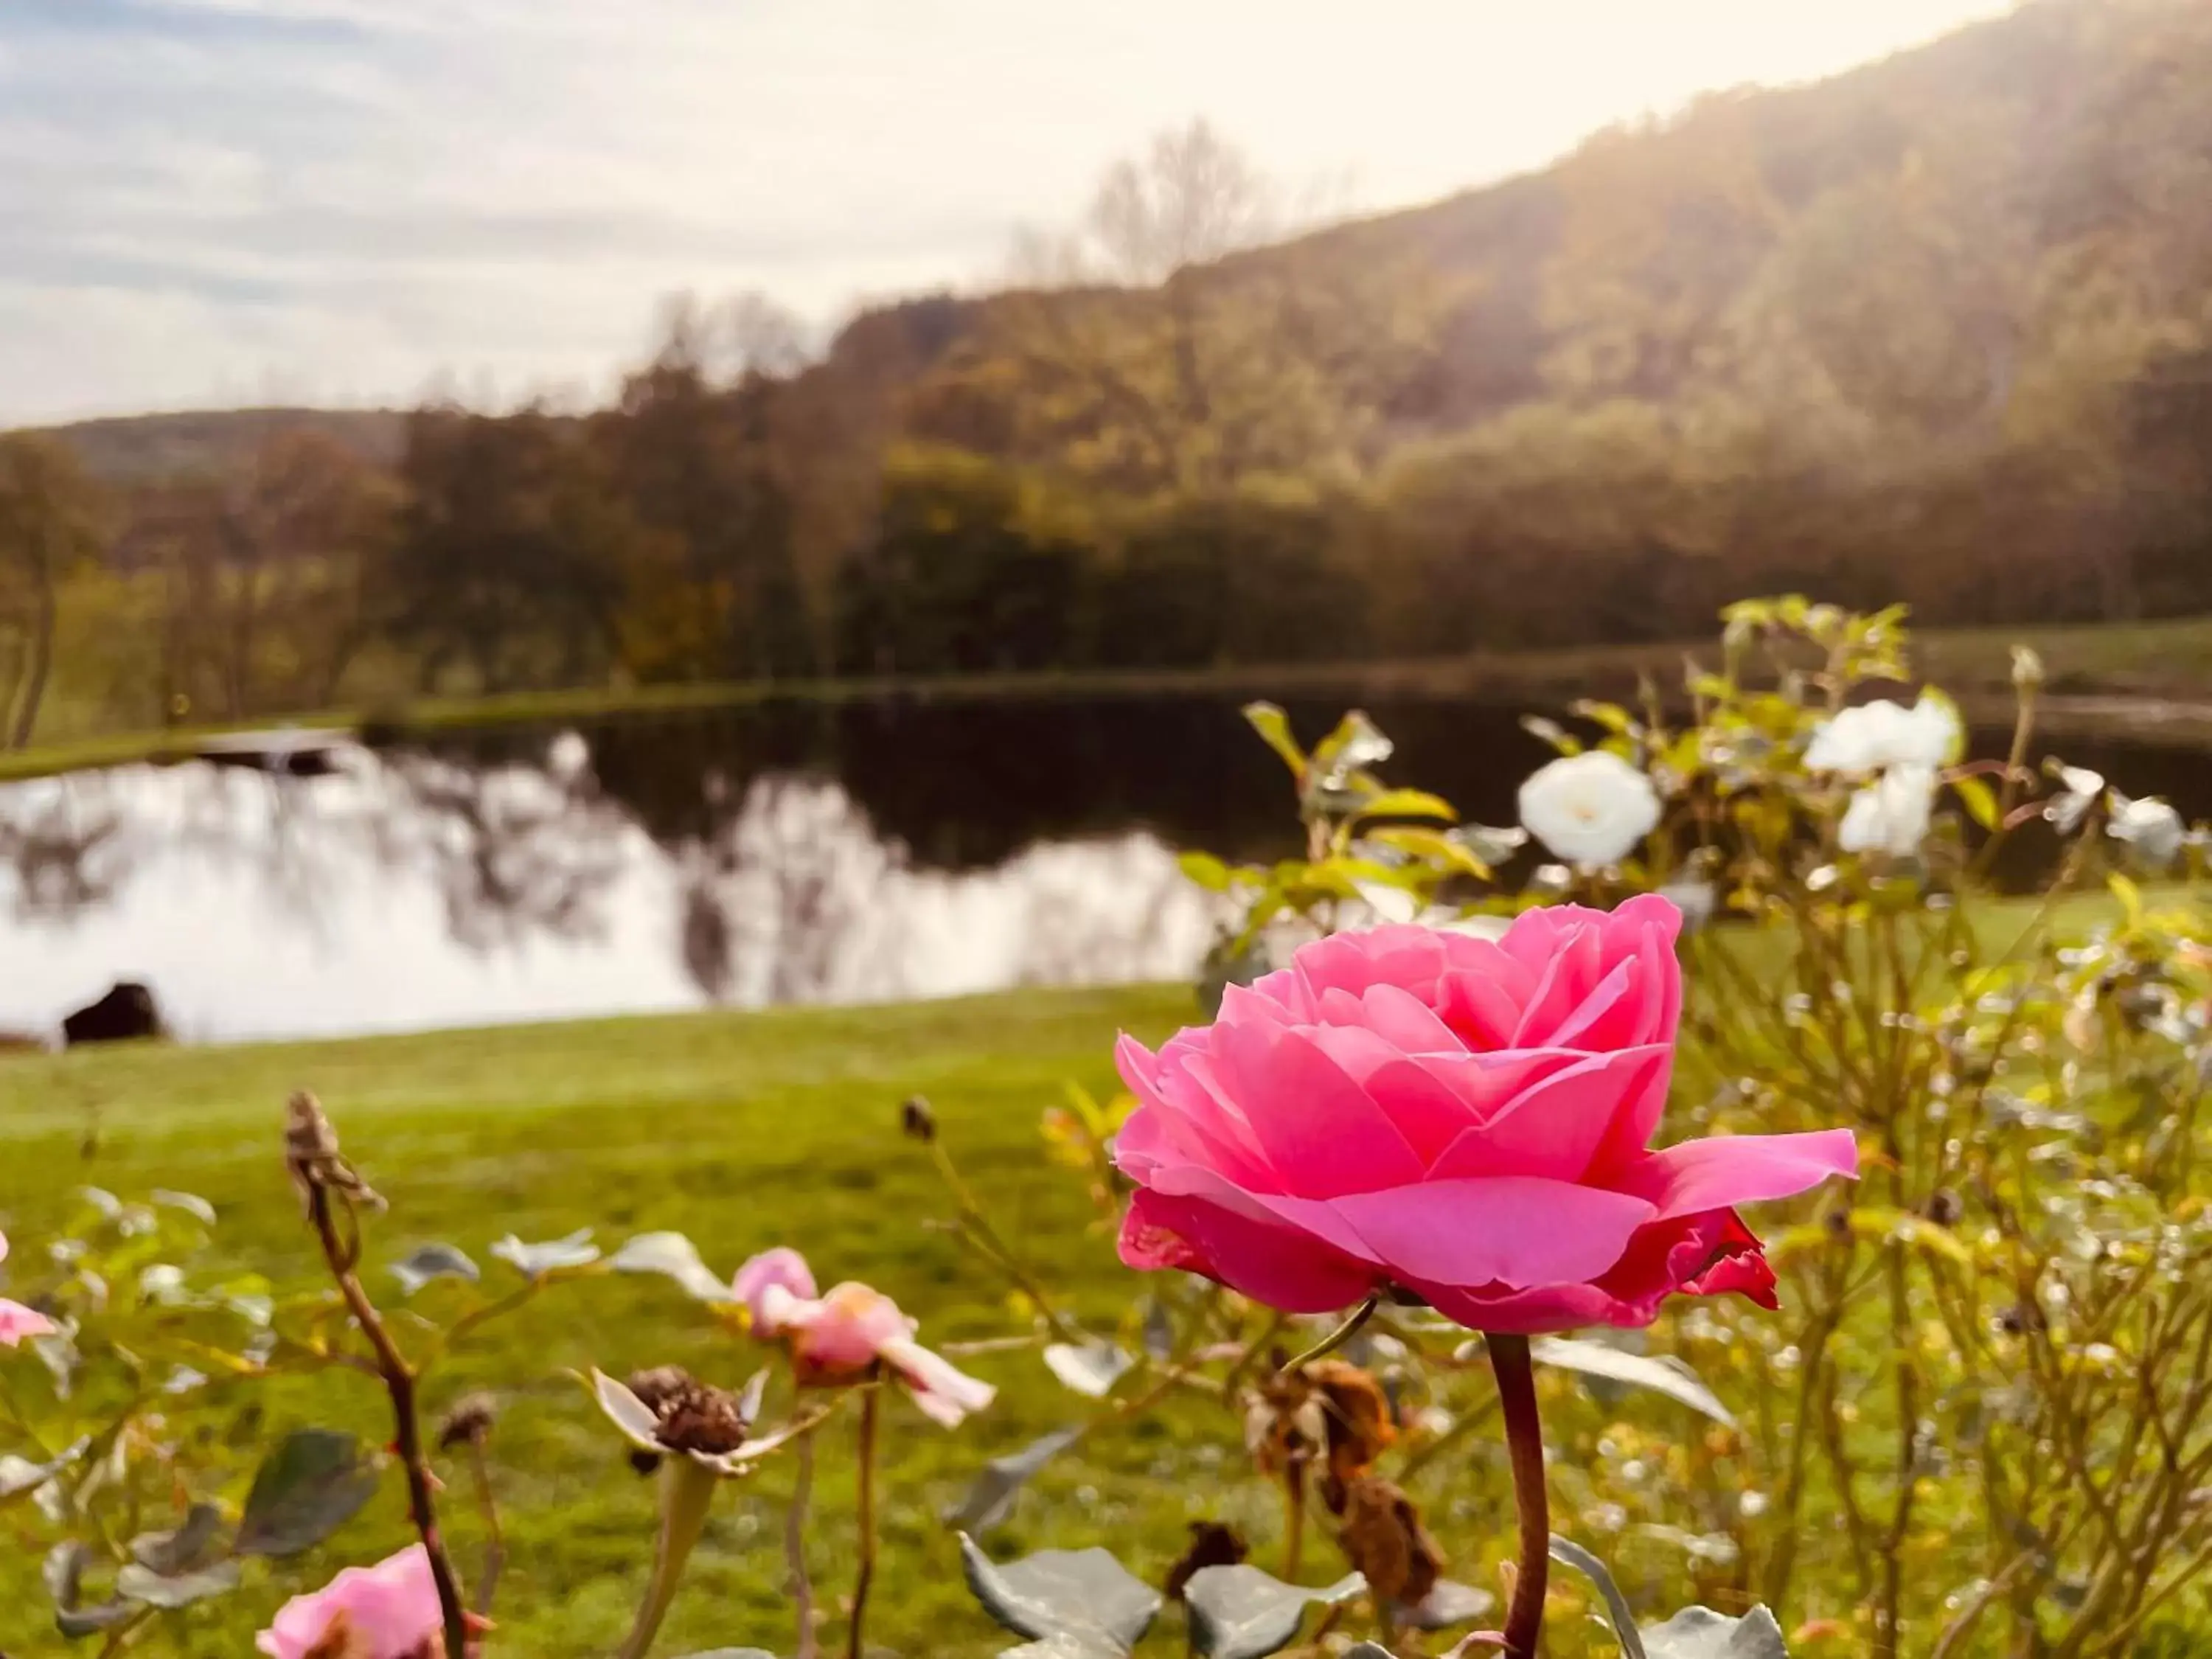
389	1611
843	1336
781	1266
1465	1120
17	1322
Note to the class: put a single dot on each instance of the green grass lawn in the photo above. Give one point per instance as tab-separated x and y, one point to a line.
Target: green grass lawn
740	1130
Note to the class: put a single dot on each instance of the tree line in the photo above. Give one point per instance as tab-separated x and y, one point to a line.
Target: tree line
1928	333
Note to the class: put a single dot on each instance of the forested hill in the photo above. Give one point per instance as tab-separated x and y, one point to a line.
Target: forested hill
1938	330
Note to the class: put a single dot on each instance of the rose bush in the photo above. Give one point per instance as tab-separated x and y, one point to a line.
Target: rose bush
1416	1111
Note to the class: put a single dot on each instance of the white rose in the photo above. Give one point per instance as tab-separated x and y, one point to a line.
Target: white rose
1876	735
1891	815
2153	828
1591	809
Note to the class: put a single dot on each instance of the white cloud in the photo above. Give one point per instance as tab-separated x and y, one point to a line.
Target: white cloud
210	194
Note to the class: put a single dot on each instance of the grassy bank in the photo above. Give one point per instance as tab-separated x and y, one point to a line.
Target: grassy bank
742	1131
2151	679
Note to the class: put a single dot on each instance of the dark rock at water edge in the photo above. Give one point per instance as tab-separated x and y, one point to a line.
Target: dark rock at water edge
128	1010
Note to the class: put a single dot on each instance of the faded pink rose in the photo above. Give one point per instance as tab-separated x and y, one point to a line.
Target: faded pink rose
781	1266
17	1322
390	1611
1465	1120
841	1336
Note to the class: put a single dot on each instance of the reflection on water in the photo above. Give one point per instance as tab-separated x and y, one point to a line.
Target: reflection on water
411	890
786	853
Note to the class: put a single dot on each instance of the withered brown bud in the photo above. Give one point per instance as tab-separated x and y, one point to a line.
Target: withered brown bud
917	1121
312	1156
1944	1208
1212	1544
1356	1419
692	1416
1383	1537
469	1423
1839	1223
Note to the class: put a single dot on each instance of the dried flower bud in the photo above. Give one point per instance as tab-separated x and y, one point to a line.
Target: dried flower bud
1212	1544
2027	670
1944	1207
1359	1424
916	1120
312	1156
1383	1537
469	1423
693	1416
1839	1223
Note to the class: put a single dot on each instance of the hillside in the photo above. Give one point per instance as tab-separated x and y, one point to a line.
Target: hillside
1912	243
135	449
1937	332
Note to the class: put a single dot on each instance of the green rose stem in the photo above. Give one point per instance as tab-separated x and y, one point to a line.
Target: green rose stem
867	1502
1524	1440
318	1170
794	1546
687	1492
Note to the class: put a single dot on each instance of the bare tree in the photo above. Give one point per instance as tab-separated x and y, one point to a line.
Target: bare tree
49	524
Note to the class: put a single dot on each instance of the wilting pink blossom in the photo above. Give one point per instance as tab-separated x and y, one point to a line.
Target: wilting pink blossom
17	1322
781	1266
389	1611
841	1336
1464	1121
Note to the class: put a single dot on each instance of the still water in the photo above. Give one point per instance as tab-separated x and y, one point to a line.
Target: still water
848	853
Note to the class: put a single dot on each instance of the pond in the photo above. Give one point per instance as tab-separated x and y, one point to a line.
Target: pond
857	852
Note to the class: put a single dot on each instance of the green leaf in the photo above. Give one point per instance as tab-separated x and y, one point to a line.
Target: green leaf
537	1261
673	1256
1978	798
991	1500
313	1483
1433	846
1571	1554
1449	1603
185	1549
1701	1633
191	1203
1876	1226
733	1653
63	1572
1206	871
77	1623
1356	744
1082	1597
1091	1369
431	1261
1273	727
19	1474
1551	731
135	1583
1662	1373
1241	1613
1408	804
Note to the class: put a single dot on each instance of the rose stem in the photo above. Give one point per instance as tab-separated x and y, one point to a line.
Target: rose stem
399	1384
1337	1338
794	1546
1524	1439
494	1540
1294	1518
867	1508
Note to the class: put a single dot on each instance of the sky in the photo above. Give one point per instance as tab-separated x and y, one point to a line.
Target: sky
209	203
